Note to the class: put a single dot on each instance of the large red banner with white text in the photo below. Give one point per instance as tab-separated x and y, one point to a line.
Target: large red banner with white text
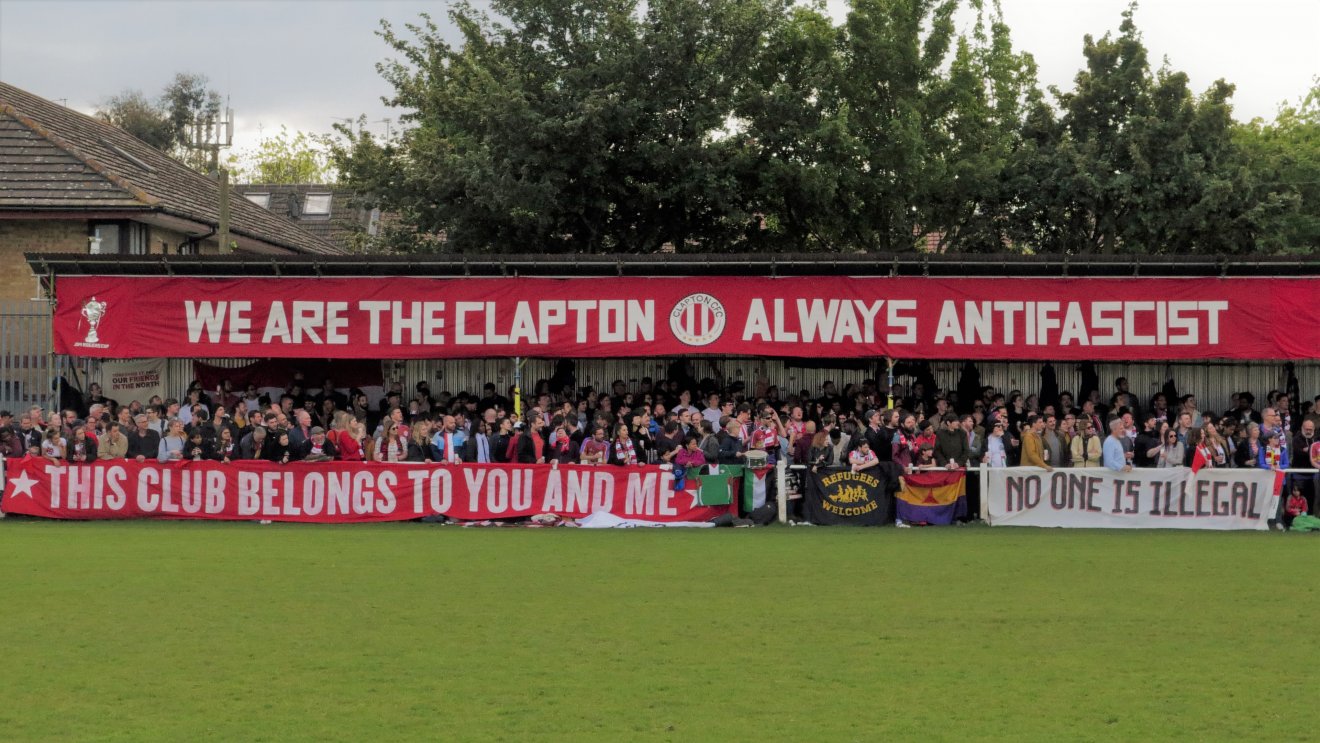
343	492
403	318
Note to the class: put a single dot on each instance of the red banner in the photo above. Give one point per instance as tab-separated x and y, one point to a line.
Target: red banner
343	492
403	318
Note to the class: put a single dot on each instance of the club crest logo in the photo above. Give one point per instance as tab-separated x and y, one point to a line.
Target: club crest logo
93	311
697	319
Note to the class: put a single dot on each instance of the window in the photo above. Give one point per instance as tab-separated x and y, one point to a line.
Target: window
260	199
316	205
118	238
137	237
103	238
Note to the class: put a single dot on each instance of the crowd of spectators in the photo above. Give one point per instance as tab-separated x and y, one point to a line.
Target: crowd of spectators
684	424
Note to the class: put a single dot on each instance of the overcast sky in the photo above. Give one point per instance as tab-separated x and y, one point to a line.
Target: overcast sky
304	63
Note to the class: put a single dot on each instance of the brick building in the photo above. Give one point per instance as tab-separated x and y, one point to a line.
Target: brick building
70	183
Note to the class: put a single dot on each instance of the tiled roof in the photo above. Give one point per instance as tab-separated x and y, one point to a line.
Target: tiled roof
54	158
344	219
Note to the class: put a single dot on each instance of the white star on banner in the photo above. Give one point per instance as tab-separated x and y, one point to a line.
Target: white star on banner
22	485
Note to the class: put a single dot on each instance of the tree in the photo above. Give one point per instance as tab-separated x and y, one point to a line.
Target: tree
140	116
568	125
1285	161
186	113
285	158
1133	162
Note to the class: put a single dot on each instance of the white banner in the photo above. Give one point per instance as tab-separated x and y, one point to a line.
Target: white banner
126	381
1099	498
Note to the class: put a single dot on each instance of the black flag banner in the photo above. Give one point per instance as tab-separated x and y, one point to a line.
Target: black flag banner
837	496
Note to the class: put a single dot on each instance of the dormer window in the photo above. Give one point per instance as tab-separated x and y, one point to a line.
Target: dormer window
316	205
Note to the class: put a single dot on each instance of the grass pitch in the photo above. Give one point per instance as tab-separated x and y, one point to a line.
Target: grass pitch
197	631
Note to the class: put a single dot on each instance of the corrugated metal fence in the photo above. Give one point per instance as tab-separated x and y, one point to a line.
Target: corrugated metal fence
1213	381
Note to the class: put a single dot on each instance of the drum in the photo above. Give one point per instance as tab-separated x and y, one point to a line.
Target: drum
757	458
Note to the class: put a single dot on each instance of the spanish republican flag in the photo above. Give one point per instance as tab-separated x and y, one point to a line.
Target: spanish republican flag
932	497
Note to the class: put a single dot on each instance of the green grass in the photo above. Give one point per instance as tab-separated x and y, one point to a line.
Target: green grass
238	632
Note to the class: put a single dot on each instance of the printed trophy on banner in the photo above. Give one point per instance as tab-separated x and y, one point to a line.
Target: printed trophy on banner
93	311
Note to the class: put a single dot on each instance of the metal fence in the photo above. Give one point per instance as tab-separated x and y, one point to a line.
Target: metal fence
28	367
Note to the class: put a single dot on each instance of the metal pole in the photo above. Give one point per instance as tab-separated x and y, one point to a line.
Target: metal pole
223	227
517	387
890	361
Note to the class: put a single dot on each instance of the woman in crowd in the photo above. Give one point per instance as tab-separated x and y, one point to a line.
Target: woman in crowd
419	443
820	453
173	443
1171	453
1213	446
349	445
200	447
1251	451
499	441
81	449
226	448
623	452
53	445
1087	448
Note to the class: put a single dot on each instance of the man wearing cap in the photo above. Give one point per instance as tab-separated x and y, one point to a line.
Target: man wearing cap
317	448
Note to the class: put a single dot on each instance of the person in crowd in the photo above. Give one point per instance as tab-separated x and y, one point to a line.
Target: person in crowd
1170	453
499	440
200	448
253	444
730	441
862	458
821	452
173	445
1146	447
1087	448
951	448
1296	505
1114	455
29	434
926	457
390	447
419	447
81	449
53	445
318	448
11	445
996	454
690	457
1033	446
477	447
447	444
226	448
1273	455
622	450
1251	451
280	451
113	445
530	447
350	443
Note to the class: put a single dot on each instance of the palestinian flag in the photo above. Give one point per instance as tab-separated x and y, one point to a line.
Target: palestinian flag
756	482
715	488
936	497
